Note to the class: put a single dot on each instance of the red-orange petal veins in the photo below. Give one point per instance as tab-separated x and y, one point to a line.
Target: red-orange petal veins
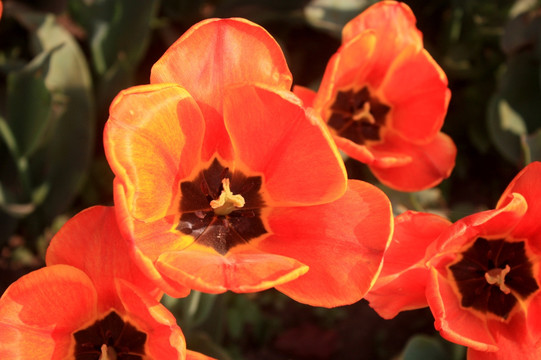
243	269
342	242
419	103
227	51
144	132
273	135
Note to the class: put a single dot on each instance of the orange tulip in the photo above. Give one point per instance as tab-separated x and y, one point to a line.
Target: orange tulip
384	99
224	182
480	276
91	302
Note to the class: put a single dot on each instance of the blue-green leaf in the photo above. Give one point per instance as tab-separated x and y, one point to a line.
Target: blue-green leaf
422	347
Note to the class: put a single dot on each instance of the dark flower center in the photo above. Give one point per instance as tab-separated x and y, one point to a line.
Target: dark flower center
358	116
494	275
221	209
111	337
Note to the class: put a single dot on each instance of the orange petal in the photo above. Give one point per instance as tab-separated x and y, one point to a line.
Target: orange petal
146	146
342	242
514	340
390	17
241	270
528	184
39	312
418	103
306	95
370	156
534	311
429	165
405	292
348	68
454	322
107	256
215	54
273	135
402	282
498	223
165	339
393	24
227	51
149	240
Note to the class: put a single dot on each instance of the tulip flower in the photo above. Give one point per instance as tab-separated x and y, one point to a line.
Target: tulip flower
480	276
401	285
223	181
91	302
384	99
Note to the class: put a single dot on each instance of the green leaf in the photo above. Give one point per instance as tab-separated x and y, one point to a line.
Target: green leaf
422	347
117	77
29	103
507	142
116	28
15	190
60	162
332	15
532	144
191	310
201	342
510	120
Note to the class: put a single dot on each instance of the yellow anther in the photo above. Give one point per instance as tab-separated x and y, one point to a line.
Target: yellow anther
227	202
497	277
364	114
107	353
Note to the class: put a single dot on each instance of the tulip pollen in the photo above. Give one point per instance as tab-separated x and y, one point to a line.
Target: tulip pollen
227	202
497	277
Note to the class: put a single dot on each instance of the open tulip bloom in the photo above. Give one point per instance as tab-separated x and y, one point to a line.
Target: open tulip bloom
91	302
480	276
384	99
225	182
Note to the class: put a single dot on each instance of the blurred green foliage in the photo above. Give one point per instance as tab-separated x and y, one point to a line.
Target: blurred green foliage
63	61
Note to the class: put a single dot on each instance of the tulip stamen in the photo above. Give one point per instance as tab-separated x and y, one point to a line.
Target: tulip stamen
358	115
227	202
107	353
364	114
497	277
223	213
